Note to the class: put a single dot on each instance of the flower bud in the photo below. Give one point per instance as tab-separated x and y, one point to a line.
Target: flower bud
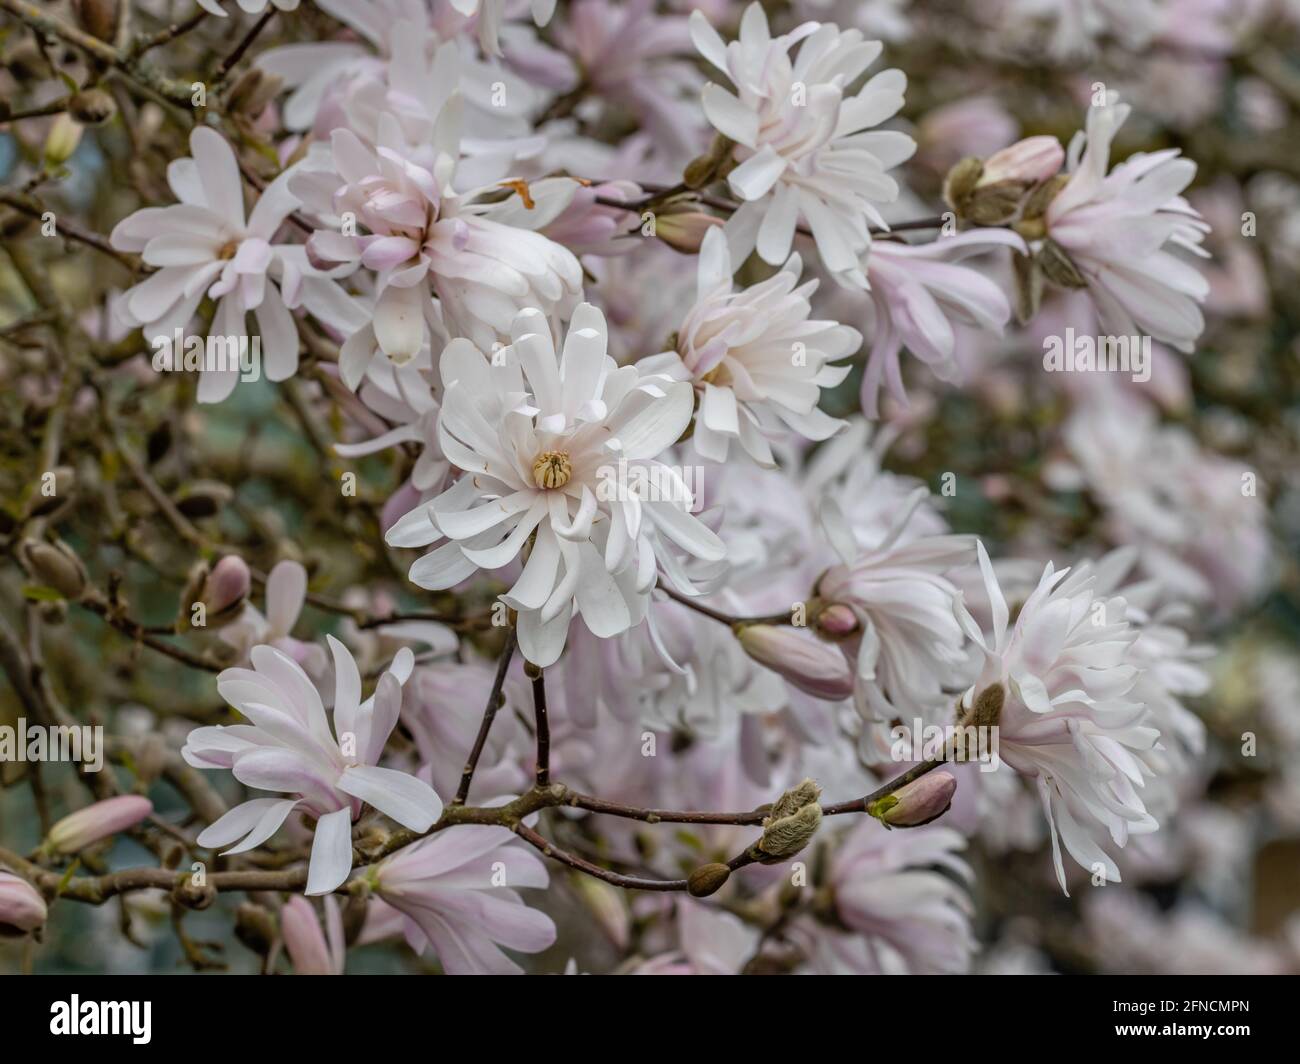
62	140
226	588
917	803
987	710
304	939
607	907
791	824
255	928
811	665
683	230
707	879
22	909
64	482
204	498
1029	162
252	92
836	621
1058	267
92	107
97	17
96	822
54	565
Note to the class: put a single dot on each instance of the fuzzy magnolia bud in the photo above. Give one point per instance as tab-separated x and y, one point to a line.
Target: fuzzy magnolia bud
991	192
22	909
92	107
54	565
917	803
707	879
683	230
97	17
226	588
96	822
811	665
791	824
62	140
987	710
255	928
1058	267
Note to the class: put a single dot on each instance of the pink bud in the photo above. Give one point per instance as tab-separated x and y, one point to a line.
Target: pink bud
22	909
918	802
837	621
310	952
684	230
811	665
99	821
1031	160
227	584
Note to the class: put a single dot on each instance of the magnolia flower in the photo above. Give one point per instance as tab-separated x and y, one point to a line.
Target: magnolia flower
713	942
478	255
905	918
804	150
757	359
560	450
311	951
458	893
908	646
634	57
1069	720
205	245
1119	231
918	293
290	748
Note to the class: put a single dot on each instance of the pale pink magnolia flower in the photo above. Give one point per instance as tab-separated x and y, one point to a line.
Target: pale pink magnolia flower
907	652
1070	720
289	747
920	295
806	152
98	821
286	592
206	246
458	891
635	58
22	909
312	951
1121	231
972	125
545	441
756	357
906	919
712	942
1076	26
476	252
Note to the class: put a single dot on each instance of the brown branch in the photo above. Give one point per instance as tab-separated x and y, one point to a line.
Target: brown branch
494	703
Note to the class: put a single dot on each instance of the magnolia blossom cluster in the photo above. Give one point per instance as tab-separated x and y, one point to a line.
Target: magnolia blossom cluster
642	534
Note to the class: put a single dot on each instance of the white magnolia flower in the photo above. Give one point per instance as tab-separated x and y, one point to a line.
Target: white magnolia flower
559	451
805	151
205	246
456	892
477	251
1070	720
289	747
756	357
907	650
918	292
906	918
1120	231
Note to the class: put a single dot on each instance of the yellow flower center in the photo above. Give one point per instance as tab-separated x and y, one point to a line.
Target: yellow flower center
552	469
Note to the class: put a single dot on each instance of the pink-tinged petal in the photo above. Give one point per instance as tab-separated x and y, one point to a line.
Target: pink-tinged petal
243	819
408	800
308	950
399	322
286	591
223	188
331	853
